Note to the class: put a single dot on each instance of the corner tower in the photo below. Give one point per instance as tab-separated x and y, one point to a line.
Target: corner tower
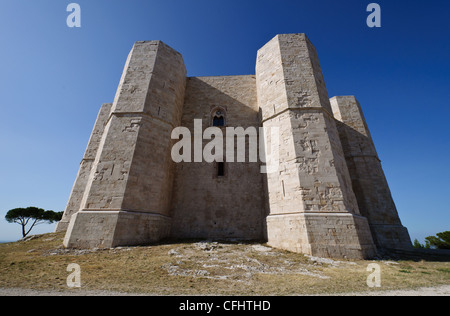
313	209
79	187
128	191
368	180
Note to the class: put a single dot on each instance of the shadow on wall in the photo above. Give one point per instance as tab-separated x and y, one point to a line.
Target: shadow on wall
207	205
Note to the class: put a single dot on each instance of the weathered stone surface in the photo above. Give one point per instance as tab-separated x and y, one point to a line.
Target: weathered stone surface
368	179
108	229
328	197
313	176
205	205
332	235
133	170
79	187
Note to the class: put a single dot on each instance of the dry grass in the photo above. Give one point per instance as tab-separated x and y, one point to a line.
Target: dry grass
203	269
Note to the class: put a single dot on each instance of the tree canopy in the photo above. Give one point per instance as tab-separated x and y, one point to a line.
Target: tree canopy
31	216
440	241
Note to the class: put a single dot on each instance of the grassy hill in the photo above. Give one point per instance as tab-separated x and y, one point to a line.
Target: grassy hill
202	268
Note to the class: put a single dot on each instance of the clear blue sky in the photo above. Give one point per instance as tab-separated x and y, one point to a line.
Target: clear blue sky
53	80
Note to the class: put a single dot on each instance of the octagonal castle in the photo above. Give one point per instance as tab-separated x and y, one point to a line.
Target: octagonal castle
328	197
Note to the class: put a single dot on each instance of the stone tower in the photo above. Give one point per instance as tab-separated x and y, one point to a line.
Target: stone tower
329	196
368	180
126	200
312	205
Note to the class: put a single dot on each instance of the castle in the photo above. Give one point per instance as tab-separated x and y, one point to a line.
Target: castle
328	197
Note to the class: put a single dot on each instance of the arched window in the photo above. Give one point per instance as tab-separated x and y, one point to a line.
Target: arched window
218	121
218	117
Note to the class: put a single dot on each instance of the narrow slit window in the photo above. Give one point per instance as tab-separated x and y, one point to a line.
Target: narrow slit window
220	169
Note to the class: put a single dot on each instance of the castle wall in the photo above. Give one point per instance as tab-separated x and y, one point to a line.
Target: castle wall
205	205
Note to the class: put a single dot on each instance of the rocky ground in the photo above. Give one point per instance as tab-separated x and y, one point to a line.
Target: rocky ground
38	266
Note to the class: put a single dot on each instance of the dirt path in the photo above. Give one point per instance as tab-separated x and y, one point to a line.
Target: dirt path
433	291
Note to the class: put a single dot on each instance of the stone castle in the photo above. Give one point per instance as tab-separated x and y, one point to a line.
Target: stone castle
328	198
